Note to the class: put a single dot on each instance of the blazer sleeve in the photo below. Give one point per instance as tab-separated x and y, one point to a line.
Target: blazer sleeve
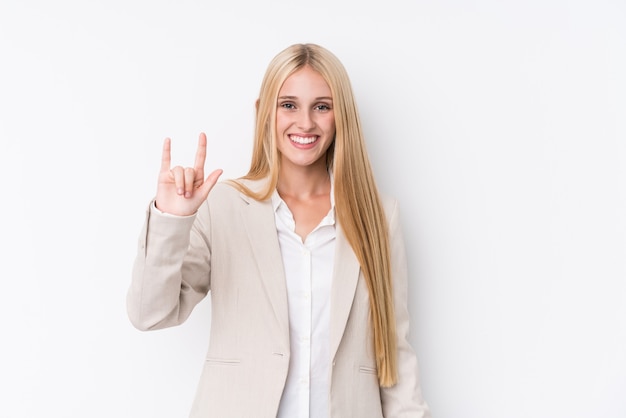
404	399
171	271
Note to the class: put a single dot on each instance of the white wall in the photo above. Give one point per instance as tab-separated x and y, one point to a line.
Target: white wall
499	125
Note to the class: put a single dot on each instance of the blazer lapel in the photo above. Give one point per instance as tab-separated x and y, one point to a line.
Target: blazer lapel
345	278
260	224
259	220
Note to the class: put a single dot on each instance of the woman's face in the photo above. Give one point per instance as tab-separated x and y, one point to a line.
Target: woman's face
305	120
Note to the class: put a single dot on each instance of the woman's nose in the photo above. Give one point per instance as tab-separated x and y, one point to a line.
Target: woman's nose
305	120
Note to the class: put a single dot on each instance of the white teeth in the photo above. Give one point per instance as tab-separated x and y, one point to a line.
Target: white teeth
301	140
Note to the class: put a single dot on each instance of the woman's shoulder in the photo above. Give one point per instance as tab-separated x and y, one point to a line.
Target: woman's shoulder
230	189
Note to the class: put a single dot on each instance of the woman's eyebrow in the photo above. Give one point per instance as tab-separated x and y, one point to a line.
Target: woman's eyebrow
296	98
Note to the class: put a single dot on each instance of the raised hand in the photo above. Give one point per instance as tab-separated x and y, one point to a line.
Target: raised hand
181	190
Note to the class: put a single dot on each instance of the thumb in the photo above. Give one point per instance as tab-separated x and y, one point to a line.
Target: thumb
209	183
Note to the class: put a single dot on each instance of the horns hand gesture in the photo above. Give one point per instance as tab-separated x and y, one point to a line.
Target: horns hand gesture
181	190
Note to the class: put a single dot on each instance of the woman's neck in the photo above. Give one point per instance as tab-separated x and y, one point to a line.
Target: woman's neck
303	182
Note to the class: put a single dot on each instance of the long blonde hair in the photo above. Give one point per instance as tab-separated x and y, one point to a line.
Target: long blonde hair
357	203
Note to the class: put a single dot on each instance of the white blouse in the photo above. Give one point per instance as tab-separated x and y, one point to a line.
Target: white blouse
308	271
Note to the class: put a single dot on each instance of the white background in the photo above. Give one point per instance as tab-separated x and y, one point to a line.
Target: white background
499	125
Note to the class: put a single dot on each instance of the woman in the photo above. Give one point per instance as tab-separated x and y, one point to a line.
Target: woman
304	260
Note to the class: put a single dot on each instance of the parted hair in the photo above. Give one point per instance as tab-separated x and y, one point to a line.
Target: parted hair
358	205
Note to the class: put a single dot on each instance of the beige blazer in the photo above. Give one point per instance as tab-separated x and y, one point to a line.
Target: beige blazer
230	247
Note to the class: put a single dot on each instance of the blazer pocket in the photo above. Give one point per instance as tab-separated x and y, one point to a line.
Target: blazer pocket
368	370
223	361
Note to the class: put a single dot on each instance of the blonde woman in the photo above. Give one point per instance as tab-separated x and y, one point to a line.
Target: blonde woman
303	258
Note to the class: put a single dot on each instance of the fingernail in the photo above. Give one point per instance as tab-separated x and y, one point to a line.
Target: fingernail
179	191
188	194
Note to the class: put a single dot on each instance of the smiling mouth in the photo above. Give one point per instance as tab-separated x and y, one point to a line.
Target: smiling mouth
303	140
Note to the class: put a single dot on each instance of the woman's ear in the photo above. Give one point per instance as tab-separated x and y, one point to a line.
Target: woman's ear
256	104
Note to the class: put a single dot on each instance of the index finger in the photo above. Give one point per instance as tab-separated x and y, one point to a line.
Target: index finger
200	155
166	155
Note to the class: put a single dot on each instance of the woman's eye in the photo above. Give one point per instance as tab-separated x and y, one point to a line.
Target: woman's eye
322	107
287	105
